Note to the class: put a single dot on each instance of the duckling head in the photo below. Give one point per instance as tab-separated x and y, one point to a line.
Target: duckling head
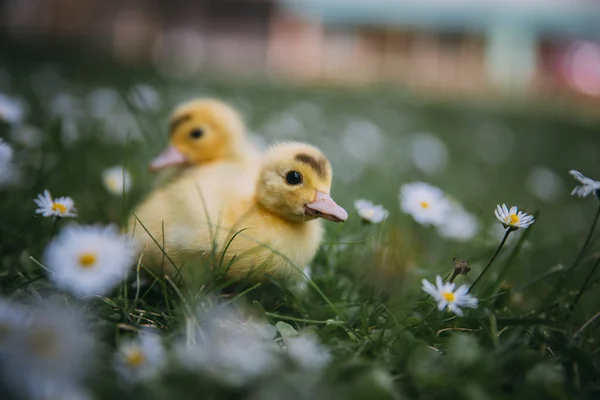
201	131
294	183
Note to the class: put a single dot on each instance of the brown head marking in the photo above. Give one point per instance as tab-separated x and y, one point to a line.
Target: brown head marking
319	165
178	121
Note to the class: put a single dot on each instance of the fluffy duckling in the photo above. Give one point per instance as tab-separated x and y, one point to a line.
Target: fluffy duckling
275	231
205	131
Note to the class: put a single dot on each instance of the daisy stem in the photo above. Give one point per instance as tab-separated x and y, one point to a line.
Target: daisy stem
588	239
508	230
584	286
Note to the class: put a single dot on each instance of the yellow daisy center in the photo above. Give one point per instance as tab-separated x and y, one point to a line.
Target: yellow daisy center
449	296
135	358
424	204
369	213
514	219
113	183
59	207
87	260
43	344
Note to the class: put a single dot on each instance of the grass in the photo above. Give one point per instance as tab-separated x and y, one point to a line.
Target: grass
534	334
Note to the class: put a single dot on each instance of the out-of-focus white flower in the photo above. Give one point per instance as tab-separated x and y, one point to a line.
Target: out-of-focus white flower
145	97
363	140
370	212
425	203
123	126
11	110
588	185
460	225
447	297
88	260
117	180
284	124
103	102
228	348
59	207
6	166
544	184
140	359
513	218
307	351
66	105
51	353
428	153
69	132
26	135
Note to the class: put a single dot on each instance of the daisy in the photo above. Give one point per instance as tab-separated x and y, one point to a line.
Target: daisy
589	185
54	349
425	203
60	207
228	348
11	110
513	218
88	260
140	359
447	297
460	225
370	212
117	180
307	351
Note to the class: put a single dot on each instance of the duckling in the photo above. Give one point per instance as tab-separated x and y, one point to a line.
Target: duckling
275	231
208	142
204	131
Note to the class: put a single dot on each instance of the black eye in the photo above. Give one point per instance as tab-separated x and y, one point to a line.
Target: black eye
293	178
196	133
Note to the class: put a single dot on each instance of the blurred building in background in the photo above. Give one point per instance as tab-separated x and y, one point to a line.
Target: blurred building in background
543	47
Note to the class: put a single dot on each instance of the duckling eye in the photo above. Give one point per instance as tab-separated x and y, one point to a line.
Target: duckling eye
196	133
293	178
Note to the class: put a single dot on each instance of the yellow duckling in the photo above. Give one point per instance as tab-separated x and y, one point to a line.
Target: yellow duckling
277	228
205	131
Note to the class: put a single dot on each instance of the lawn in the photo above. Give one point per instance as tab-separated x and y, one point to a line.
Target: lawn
361	326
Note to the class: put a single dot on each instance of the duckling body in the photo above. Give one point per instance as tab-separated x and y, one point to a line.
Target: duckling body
208	149
266	226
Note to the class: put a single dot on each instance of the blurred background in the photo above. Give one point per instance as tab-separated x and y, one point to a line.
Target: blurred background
541	48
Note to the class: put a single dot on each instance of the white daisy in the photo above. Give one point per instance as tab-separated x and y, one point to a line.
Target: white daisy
425	203
460	224
11	110
370	212
228	348
513	218
117	180
447	297
307	351
88	260
589	185
55	349
140	359
6	167
60	207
